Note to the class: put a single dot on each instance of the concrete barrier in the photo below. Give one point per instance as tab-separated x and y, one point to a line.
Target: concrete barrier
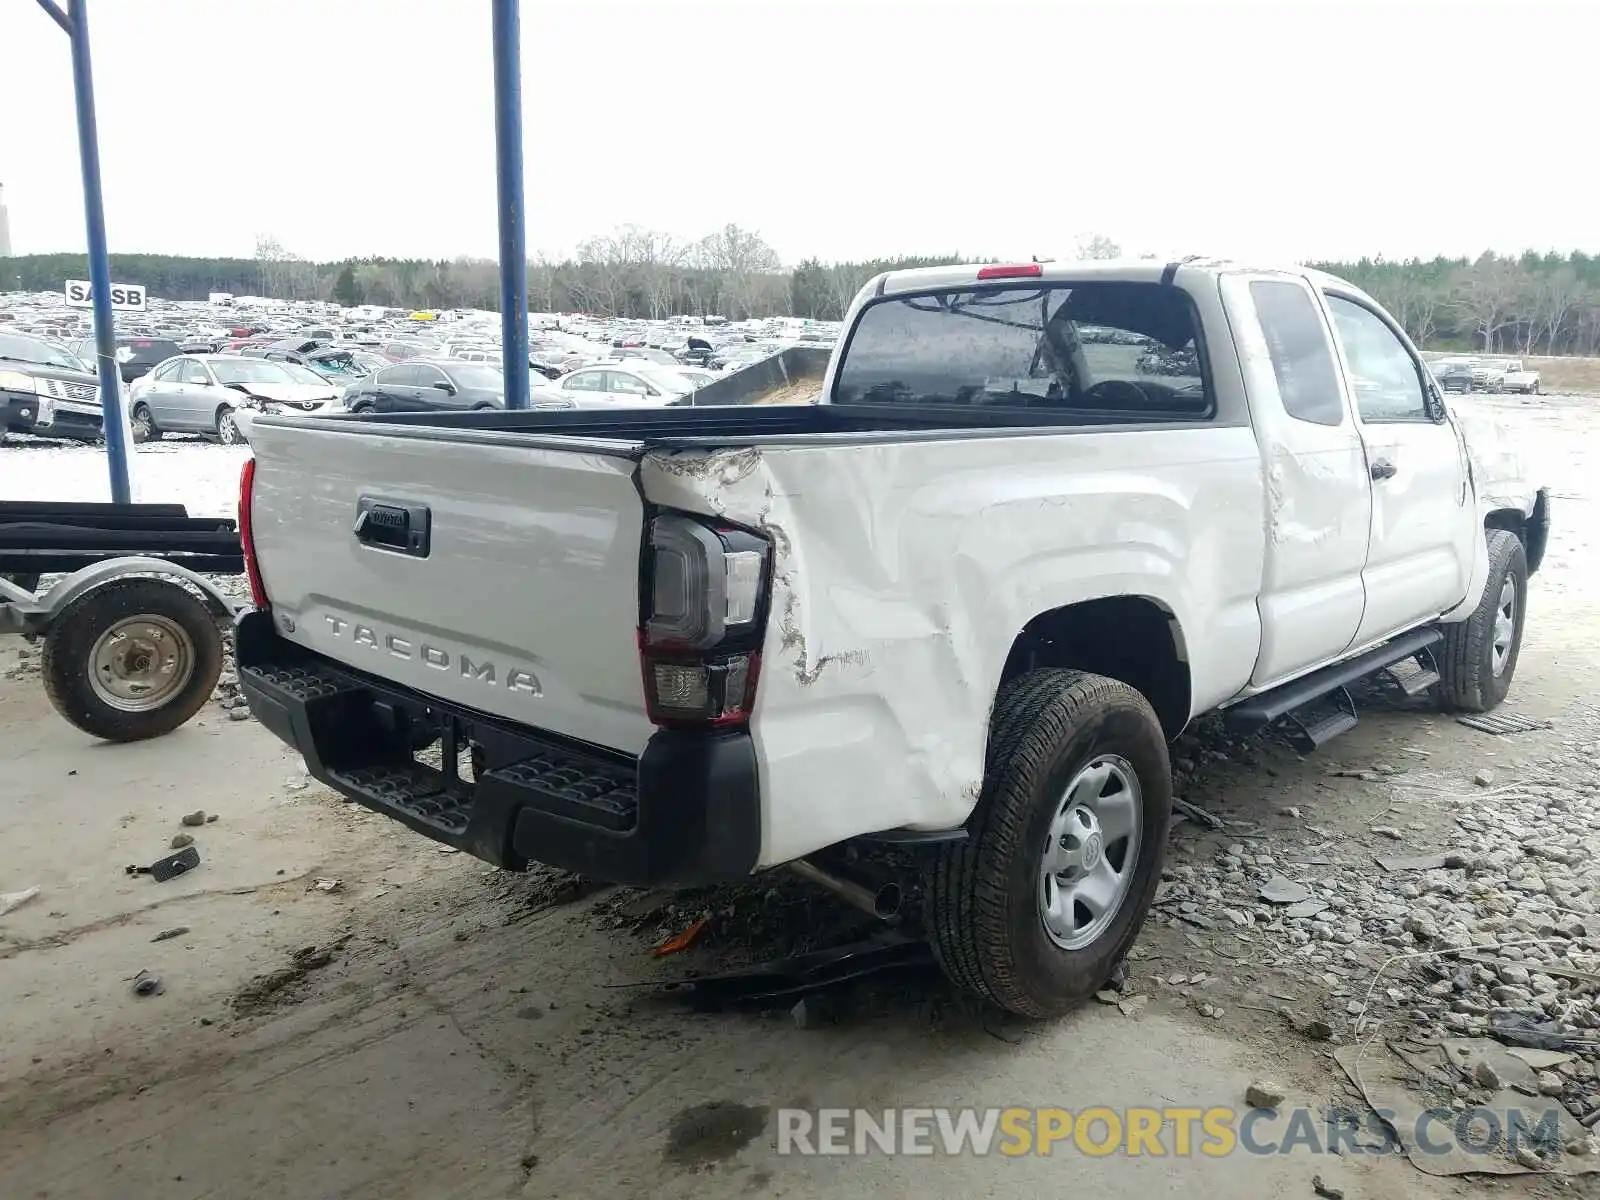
748	385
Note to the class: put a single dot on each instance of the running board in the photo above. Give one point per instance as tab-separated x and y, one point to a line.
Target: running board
1261	711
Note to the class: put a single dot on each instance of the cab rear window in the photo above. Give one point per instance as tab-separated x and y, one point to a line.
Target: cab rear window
1116	349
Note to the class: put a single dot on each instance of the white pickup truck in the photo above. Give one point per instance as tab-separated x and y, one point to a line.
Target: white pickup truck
1043	517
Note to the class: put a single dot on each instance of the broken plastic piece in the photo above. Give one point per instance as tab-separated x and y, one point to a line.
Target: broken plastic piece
681	941
11	901
171	866
146	984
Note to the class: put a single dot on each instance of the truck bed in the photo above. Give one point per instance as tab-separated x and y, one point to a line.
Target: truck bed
734	425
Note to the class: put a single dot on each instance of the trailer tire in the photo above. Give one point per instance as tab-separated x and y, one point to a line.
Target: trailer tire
1002	918
1479	655
132	659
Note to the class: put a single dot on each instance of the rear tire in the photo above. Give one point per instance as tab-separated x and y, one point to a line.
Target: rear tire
104	659
1005	924
1479	655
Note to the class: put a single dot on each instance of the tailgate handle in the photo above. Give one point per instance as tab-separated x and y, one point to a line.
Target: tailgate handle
393	525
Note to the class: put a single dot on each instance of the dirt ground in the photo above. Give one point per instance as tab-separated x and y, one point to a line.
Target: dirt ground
428	1026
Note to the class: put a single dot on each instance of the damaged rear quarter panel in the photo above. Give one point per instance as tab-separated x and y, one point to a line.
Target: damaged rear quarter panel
903	571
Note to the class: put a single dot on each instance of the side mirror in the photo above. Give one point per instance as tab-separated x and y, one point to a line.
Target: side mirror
445	386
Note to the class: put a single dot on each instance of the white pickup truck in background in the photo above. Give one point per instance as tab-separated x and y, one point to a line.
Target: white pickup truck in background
1043	517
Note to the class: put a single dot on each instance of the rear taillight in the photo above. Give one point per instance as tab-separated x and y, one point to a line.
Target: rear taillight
704	614
247	540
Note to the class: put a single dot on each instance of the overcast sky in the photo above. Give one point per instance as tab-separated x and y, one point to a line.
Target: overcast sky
1297	129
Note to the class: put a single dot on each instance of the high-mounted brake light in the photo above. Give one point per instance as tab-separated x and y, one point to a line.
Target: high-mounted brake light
1011	271
704	615
247	539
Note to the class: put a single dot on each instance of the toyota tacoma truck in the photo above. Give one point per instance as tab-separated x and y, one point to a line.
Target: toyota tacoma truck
962	603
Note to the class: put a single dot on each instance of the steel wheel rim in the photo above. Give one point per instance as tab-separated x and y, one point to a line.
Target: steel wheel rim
1505	625
141	663
1091	851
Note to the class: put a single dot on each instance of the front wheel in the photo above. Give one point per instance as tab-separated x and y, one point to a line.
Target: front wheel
1479	655
228	427
132	659
1035	909
143	424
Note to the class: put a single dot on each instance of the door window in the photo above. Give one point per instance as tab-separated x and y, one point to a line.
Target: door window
196	373
1302	360
584	381
403	376
1387	381
168	372
428	376
632	385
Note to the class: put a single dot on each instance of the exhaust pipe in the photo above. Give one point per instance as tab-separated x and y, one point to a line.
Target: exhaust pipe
884	904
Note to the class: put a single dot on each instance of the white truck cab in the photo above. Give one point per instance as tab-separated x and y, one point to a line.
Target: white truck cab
1043	516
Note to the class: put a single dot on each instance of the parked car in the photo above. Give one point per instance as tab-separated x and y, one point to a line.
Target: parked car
46	389
205	393
1487	376
135	355
428	384
629	381
1453	374
782	635
1517	378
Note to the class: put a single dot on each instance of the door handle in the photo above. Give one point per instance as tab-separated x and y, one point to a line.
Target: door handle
1384	469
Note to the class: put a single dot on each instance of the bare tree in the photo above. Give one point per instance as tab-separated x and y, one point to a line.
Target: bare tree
1485	295
1558	293
1097	245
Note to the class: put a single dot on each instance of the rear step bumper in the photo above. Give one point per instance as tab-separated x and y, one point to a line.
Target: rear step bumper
686	812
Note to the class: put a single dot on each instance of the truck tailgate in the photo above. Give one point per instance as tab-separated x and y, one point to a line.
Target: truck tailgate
507	583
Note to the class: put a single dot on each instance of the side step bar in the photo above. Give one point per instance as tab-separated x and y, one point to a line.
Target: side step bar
1328	685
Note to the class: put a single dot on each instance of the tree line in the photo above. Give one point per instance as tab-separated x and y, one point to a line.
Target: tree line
1529	304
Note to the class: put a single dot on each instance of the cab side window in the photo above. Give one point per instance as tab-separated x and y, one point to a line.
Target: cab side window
1302	359
1387	382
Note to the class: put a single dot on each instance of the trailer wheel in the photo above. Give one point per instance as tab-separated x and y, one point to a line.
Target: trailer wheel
1034	910
132	659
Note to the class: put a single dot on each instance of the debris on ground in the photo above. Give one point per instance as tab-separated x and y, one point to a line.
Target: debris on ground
198	817
1197	814
326	885
166	935
1321	1189
146	984
170	867
681	941
11	901
180	840
1423	1079
1279	890
1262	1094
1500	724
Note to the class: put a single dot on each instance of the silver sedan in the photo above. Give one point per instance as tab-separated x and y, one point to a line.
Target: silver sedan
204	394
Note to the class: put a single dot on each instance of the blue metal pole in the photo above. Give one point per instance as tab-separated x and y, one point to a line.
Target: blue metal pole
508	171
105	337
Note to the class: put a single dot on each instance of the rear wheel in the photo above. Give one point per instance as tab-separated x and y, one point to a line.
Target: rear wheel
133	659
228	427
1036	908
1479	655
